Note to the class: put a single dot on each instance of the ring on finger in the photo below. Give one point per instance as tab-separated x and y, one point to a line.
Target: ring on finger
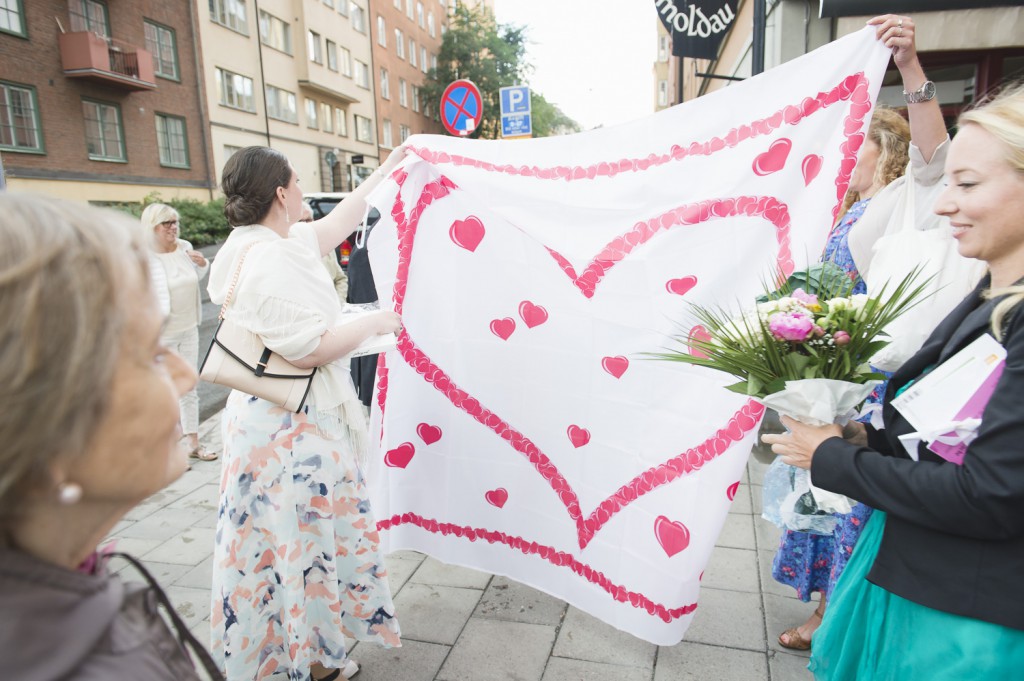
900	34
900	22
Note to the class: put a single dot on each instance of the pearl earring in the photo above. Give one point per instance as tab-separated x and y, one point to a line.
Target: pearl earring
69	493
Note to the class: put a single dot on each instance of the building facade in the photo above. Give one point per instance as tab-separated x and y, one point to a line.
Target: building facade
101	100
406	40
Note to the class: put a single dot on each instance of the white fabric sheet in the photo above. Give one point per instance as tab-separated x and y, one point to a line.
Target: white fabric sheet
519	428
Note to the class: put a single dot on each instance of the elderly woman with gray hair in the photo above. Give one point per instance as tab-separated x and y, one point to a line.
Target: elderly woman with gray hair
175	270
89	428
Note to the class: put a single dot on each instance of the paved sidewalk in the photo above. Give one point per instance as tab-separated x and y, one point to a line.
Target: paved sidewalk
463	625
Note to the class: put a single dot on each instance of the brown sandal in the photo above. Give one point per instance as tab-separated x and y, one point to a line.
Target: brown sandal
796	641
201	454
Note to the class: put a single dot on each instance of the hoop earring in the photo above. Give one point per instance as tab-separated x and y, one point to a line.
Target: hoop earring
69	493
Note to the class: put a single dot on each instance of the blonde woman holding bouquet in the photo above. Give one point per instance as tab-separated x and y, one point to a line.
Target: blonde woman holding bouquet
933	590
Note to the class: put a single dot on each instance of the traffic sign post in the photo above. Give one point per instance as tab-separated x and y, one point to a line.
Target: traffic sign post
516	120
461	108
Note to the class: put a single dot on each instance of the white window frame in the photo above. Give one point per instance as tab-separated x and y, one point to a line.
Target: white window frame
228	83
312	114
271	28
364	128
403	97
316	47
386	135
385	84
283	106
341	121
230	14
382	31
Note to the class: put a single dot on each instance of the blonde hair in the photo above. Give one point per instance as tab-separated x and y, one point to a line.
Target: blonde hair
153	215
63	271
891	132
1002	116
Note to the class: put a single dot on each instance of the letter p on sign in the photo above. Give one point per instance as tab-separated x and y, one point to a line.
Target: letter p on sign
515	99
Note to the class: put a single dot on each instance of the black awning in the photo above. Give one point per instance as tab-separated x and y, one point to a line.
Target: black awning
856	8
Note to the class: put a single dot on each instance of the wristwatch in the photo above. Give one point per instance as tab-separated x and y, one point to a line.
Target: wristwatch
925	93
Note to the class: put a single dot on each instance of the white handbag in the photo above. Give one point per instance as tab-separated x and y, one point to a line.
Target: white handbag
238	359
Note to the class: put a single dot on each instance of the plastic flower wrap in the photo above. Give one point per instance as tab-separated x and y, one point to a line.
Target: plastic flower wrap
803	352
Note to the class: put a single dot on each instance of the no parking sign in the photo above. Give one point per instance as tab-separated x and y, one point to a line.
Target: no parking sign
461	108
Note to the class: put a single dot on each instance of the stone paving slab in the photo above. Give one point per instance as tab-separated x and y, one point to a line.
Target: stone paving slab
698	662
786	667
414	661
741	504
733	619
734	569
737	532
783	613
508	600
492	650
433	571
433	613
584	637
563	669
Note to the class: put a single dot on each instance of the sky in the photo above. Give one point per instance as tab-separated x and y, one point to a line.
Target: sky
593	59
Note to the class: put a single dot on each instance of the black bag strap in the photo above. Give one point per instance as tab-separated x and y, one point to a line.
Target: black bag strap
185	637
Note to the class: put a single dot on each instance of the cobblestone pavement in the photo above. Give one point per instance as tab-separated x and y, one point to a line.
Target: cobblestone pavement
463	625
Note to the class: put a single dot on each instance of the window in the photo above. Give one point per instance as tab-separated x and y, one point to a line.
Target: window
316	49
433	61
423	59
281	105
398	4
415	98
385	85
275	33
663	48
341	121
364	128
403	133
362	74
419	15
358	18
362	173
160	43
399	44
332	55
345	61
89	15
235	90
104	138
412	52
326	118
12	17
430	24
229	151
343	7
385	134
408	8
230	13
403	98
312	115
662	93
382	31
330	3
171	141
20	128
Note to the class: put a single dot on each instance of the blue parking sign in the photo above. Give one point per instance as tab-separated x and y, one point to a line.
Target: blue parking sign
515	99
516	125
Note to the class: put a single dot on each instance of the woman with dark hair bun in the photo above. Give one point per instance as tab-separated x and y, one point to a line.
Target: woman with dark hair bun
297	565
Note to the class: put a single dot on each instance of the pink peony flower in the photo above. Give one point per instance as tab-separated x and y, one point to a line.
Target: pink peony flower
790	327
808	299
841	337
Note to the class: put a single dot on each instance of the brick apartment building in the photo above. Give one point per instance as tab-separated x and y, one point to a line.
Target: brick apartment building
406	40
102	100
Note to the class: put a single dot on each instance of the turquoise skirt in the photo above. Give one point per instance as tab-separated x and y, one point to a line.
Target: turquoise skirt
871	633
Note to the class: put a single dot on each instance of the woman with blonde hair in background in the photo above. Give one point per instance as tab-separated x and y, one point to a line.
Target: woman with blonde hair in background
89	428
176	269
933	590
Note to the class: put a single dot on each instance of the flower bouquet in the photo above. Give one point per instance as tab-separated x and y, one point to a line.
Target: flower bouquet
803	353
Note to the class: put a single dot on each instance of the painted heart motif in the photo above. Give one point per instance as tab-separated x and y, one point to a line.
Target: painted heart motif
578	436
428	433
616	366
503	328
467	233
810	167
681	286
731	491
400	456
673	536
497	497
700	334
533	315
774	159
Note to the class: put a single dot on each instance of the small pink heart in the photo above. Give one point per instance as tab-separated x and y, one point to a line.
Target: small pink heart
467	233
497	497
533	315
699	333
428	433
681	286
503	328
616	366
774	159
810	167
578	436
673	536
400	456
731	492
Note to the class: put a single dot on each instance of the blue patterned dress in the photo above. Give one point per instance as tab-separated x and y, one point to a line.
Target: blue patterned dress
813	562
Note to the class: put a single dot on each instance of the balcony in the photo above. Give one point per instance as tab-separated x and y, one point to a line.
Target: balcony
84	54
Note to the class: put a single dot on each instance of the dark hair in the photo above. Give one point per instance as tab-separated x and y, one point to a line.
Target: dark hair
250	181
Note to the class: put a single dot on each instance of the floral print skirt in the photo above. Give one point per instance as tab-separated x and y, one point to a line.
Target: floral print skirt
296	565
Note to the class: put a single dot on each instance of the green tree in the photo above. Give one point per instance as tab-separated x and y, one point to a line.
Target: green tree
492	55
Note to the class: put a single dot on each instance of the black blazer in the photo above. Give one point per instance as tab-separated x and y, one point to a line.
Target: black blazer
954	536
